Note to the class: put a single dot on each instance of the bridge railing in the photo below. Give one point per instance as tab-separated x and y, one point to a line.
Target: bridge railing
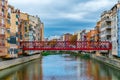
65	45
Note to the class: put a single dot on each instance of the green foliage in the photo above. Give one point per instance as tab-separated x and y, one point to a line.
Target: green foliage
84	56
46	53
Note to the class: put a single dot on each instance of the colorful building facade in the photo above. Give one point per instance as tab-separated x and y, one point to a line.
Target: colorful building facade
16	26
115	31
3	18
67	37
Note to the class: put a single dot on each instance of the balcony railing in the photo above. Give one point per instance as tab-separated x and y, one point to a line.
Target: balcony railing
2	35
2	15
105	28
2	44
108	20
2	25
106	33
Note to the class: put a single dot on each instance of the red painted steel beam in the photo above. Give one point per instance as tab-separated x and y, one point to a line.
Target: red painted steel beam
65	45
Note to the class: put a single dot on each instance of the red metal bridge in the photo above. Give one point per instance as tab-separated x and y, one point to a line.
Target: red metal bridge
65	45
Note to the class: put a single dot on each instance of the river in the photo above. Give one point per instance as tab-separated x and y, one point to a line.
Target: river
60	67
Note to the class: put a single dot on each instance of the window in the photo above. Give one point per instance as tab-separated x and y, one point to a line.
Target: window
8	21
3	2
25	29
8	40
17	35
16	22
2	31
25	23
26	35
20	36
13	40
2	21
2	13
17	16
8	30
2	10
15	51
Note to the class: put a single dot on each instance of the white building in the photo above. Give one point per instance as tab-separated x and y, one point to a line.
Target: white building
115	31
110	28
105	28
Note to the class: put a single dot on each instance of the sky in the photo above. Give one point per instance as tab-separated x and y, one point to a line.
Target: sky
65	16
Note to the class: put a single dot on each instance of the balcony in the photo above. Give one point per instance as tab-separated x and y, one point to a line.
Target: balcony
4	6
2	15
8	25
105	28
108	20
2	25
8	16
105	33
2	44
2	35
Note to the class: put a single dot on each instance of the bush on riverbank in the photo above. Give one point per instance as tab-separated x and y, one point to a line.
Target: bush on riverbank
46	53
84	56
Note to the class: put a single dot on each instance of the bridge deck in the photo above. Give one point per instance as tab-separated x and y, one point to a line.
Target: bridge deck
65	45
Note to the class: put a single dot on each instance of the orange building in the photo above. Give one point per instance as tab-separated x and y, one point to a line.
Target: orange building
90	35
97	28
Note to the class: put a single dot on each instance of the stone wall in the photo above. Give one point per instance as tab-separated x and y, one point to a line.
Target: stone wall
108	61
13	62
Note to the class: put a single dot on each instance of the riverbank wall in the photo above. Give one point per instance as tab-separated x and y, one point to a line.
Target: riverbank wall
13	62
107	61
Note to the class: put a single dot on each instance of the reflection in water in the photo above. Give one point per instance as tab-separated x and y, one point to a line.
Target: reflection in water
60	67
27	71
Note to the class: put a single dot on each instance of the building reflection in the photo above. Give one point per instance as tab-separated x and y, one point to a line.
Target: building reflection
97	72
92	70
72	68
29	72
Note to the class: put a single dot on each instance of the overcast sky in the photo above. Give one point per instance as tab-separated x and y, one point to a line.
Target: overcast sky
62	16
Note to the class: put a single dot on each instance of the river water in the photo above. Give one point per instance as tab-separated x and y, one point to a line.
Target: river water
60	67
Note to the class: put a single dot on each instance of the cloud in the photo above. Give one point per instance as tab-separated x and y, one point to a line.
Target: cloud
68	9
54	37
28	2
94	5
65	13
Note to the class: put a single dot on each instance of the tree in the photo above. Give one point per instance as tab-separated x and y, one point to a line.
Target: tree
73	39
52	43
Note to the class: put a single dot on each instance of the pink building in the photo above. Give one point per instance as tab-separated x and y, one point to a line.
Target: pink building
67	37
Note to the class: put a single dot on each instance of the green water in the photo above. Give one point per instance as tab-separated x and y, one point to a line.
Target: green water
61	67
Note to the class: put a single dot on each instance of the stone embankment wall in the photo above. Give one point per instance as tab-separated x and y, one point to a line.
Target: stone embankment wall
108	61
13	62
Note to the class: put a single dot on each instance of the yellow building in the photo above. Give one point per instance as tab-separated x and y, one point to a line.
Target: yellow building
42	32
11	32
23	30
24	27
16	26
